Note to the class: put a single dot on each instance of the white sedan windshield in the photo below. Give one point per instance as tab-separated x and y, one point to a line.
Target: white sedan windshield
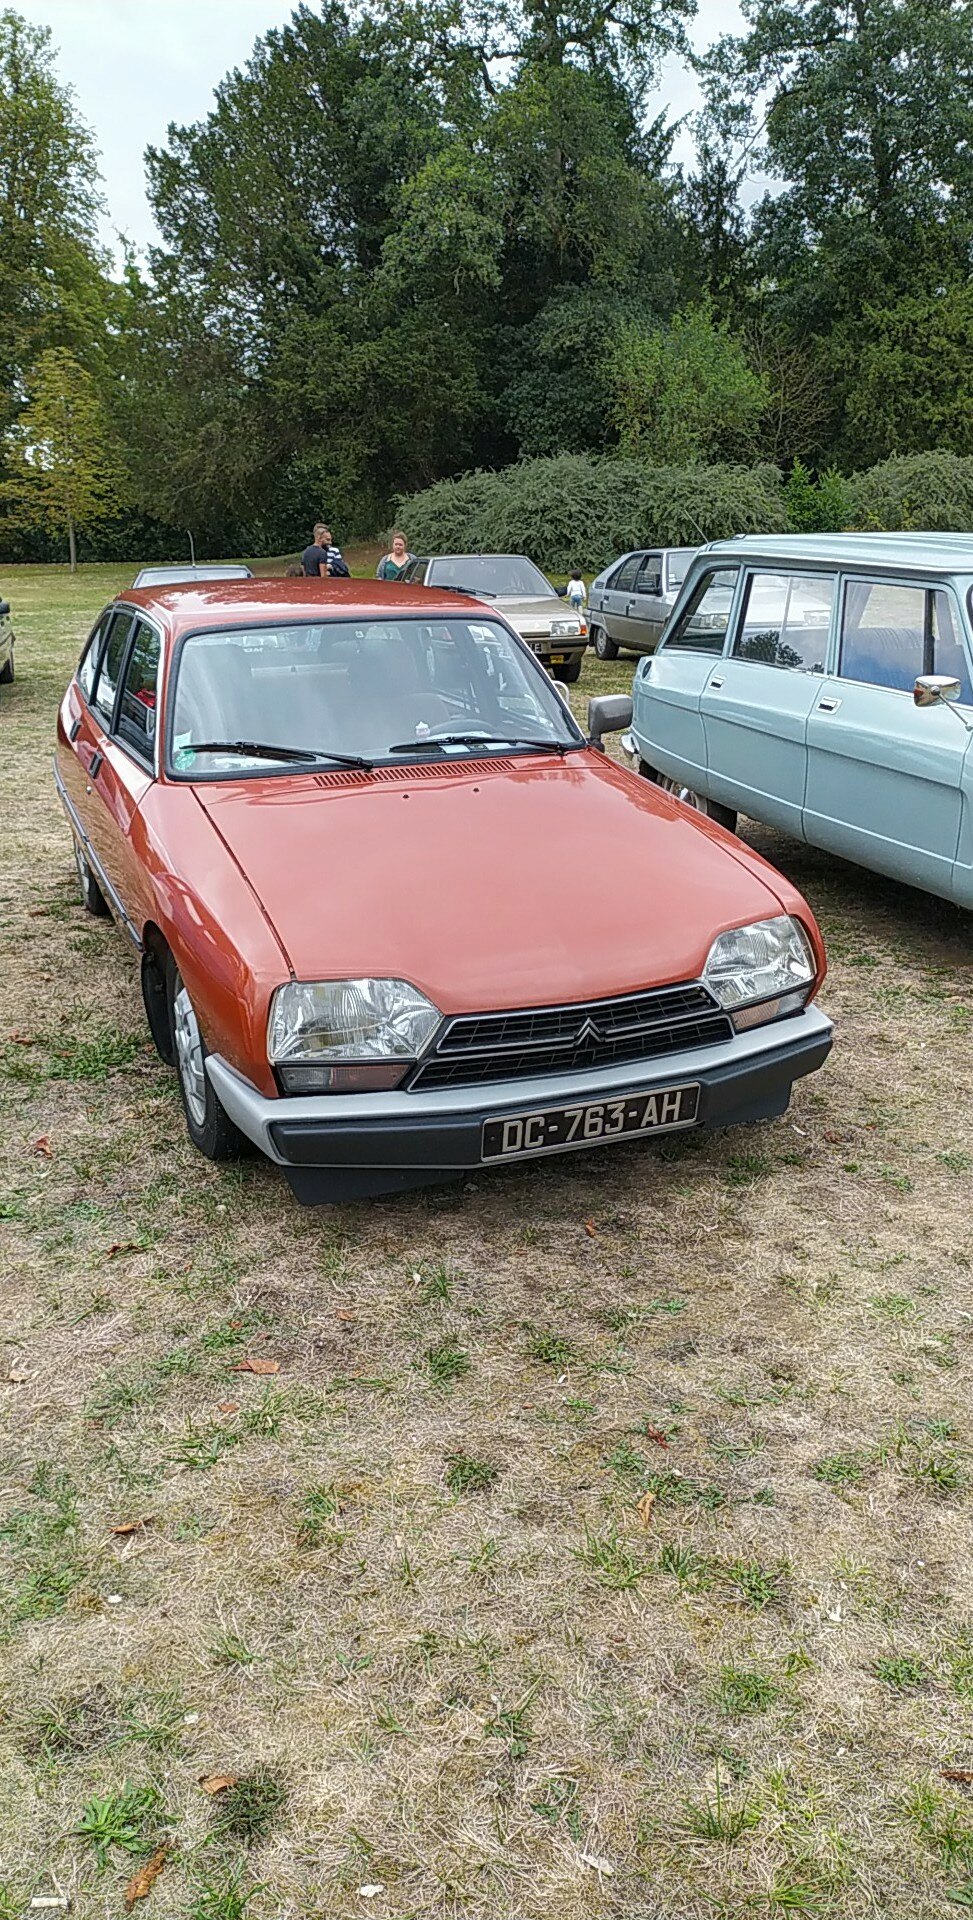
374	689
494	575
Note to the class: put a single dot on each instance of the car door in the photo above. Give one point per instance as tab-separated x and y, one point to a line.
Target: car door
667	694
646	608
99	755
616	597
885	777
757	703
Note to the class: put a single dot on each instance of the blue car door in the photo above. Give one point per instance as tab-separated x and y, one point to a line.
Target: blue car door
667	722
757	702
885	777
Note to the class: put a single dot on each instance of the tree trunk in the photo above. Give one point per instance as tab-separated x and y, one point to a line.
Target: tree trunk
72	545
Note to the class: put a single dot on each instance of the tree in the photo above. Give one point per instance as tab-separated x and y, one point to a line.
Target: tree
906	370
68	476
686	392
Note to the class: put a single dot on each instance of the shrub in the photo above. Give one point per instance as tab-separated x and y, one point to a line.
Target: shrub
579	507
927	492
818	505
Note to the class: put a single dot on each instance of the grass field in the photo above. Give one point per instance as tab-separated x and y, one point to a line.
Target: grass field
404	1594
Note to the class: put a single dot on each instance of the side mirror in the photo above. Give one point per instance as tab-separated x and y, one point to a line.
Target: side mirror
610	713
931	689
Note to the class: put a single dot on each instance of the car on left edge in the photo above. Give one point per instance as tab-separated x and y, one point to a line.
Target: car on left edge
6	643
397	916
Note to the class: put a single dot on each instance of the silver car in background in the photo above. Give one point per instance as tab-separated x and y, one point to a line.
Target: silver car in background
556	633
630	601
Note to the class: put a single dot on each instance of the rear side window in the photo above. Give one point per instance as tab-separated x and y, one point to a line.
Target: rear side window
113	653
137	709
702	624
92	654
786	620
624	579
650	574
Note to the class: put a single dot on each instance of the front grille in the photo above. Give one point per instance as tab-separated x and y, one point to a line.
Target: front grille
474	1048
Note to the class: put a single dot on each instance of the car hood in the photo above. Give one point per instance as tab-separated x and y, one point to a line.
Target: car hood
535	612
517	883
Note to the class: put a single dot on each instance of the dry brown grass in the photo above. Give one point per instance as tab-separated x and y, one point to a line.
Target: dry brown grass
473	1697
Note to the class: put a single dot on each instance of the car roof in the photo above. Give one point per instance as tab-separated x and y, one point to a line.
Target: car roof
166	575
185	608
935	552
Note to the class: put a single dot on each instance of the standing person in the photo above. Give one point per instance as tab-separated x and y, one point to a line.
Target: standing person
315	561
394	564
576	590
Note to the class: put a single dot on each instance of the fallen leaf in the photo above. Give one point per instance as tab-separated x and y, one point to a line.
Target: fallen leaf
597	1866
120	1246
21	1039
143	1881
43	1145
656	1434
228	1406
217	1782
368	1893
257	1366
961	1776
591	1230
344	1313
133	1526
37	913
644	1508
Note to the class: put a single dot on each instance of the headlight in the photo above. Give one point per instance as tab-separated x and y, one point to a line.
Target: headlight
347	1036
762	971
566	629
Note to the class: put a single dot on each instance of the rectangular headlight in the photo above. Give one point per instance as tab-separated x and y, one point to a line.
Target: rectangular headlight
769	960
566	629
348	1035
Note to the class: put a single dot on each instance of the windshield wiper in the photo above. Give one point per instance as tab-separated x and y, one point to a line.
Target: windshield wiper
265	750
443	740
476	593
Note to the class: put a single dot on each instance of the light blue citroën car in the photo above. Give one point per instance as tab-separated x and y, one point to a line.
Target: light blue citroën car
822	684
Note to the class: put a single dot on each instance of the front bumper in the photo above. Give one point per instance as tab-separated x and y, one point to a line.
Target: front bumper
347	1146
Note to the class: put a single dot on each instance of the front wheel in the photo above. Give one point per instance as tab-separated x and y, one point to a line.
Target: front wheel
209	1127
604	648
710	809
569	672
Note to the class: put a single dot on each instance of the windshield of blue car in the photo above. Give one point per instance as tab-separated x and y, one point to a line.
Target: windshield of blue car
357	688
510	575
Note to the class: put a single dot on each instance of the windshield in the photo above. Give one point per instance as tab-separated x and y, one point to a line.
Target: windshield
491	574
357	688
677	566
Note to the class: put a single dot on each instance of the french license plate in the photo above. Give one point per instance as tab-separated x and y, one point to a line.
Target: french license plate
555	1128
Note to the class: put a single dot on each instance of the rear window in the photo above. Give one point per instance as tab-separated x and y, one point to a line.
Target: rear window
106	683
623	579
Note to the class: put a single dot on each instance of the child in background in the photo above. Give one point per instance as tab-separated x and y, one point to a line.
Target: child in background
577	591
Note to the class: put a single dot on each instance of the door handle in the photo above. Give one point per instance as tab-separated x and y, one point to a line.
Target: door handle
828	706
96	760
75	730
717	680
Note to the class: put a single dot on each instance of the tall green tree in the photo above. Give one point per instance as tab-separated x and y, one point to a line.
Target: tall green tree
67	475
686	392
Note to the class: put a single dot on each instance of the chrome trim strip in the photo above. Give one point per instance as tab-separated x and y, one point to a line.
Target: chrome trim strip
114	903
255	1114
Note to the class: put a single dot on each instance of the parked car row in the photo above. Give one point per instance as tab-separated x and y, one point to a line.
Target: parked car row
397	916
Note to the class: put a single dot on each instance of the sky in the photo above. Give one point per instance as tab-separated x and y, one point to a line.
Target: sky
137	65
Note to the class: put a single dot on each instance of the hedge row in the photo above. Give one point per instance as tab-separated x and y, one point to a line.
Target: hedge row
578	509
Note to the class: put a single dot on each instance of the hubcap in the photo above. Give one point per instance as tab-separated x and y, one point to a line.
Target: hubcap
686	795
189	1055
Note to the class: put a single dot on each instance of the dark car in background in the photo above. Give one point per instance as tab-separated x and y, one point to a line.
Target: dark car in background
520	591
630	601
6	644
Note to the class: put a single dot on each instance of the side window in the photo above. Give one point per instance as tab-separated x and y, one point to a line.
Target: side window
650	574
786	620
137	711
90	656
113	654
948	651
624	580
883	627
702	624
414	572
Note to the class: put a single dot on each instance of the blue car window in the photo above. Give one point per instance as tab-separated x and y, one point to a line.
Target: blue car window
883	630
949	653
702	624
786	621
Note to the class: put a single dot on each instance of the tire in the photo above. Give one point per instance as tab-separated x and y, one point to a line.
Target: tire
710	809
92	898
604	648
7	672
645	772
570	672
209	1127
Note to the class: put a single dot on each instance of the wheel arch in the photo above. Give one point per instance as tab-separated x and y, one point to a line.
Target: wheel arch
156	956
